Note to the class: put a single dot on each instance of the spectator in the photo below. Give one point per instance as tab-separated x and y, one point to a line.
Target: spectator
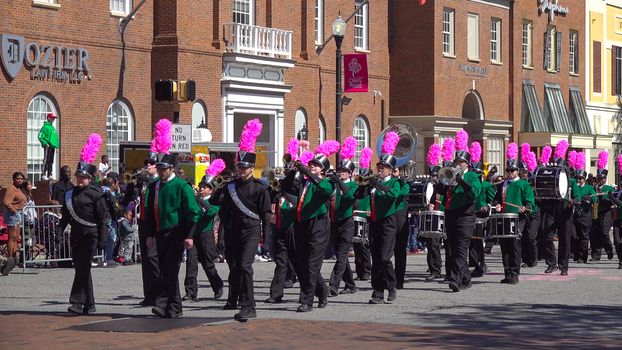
104	167
14	202
127	236
29	213
48	137
63	185
107	186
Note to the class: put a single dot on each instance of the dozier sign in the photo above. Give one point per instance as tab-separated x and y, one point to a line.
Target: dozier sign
45	62
552	7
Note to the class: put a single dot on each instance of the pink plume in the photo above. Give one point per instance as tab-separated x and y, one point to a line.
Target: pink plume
250	133
545	155
561	149
305	157
348	148
531	161
603	157
391	139
216	167
292	148
304	144
572	159
620	162
525	148
434	154
580	161
365	158
512	151
90	148
476	152
448	149
462	140
328	148
162	137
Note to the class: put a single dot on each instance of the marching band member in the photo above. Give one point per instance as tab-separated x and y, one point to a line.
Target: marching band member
362	253
171	219
460	215
584	212
433	258
448	154
85	208
204	247
617	218
561	212
148	255
600	237
384	191
529	238
312	224
547	216
403	229
341	205
482	210
514	195
245	213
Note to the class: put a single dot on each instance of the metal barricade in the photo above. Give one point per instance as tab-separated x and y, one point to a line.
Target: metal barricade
42	242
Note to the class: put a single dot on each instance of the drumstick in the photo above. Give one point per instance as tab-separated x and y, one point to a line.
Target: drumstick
516	206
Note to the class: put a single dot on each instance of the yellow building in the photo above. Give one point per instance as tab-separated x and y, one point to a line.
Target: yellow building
604	71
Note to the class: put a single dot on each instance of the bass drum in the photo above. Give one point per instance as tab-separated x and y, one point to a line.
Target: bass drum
551	183
421	192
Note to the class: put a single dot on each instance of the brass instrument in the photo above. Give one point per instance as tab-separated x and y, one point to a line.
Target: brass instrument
220	180
447	175
364	180
407	145
275	185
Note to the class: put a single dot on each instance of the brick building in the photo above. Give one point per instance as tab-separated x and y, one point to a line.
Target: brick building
249	58
450	69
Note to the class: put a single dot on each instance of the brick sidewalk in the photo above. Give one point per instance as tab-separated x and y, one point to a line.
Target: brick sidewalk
50	331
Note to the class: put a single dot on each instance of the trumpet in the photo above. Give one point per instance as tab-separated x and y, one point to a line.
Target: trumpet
275	185
219	180
364	180
447	175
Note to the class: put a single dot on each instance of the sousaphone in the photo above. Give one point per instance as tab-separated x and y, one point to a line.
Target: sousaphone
406	147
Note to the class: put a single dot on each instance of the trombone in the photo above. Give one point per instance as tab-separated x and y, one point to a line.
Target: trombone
447	175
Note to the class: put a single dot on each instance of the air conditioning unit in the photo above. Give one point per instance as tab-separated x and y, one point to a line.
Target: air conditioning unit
201	135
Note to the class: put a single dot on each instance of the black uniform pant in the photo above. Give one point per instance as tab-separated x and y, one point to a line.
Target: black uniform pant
511	252
240	248
48	160
83	246
434	258
362	260
342	234
529	239
149	265
547	229
581	240
600	238
617	239
284	257
203	251
401	243
476	248
170	245
312	238
459	224
382	243
565	230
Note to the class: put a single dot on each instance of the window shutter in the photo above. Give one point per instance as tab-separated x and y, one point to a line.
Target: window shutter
596	74
614	71
547	50
576	52
558	64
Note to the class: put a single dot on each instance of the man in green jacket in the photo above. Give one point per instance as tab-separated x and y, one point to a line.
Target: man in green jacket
482	210
604	221
50	143
403	229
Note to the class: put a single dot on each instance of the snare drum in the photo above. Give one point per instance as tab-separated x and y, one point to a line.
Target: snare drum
421	192
504	225
550	183
480	228
361	228
432	224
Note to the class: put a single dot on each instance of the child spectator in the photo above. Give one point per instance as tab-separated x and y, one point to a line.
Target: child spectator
127	236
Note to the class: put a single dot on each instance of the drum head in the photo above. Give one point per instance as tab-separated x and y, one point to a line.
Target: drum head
429	192
563	184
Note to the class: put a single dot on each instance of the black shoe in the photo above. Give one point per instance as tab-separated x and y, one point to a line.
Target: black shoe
477	273
466	286
455	287
392	295
564	272
488	250
399	286
376	300
620	266
364	277
272	300
174	314
288	284
90	309
551	269
8	266
334	291
322	302
76	309
229	306
525	265
304	308
188	297
595	258
146	303
245	314
505	281
610	255
433	278
218	294
158	311
349	291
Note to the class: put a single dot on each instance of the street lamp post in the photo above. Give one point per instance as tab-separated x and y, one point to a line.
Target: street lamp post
339	29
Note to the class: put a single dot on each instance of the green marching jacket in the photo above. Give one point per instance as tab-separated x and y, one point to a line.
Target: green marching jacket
177	207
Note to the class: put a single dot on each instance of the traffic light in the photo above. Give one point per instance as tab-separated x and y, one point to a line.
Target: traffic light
187	90
166	90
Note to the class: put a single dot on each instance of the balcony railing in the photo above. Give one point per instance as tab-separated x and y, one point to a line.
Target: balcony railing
255	40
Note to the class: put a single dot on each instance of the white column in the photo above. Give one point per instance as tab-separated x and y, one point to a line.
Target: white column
279	132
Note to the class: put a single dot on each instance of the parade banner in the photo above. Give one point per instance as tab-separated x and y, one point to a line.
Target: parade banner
356	79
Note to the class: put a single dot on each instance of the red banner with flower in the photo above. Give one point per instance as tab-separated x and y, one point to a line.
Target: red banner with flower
356	78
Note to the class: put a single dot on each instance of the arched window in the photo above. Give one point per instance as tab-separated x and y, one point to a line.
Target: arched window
199	114
322	127
119	127
38	108
361	134
300	122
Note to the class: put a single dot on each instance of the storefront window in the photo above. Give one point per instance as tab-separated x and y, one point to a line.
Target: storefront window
119	128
